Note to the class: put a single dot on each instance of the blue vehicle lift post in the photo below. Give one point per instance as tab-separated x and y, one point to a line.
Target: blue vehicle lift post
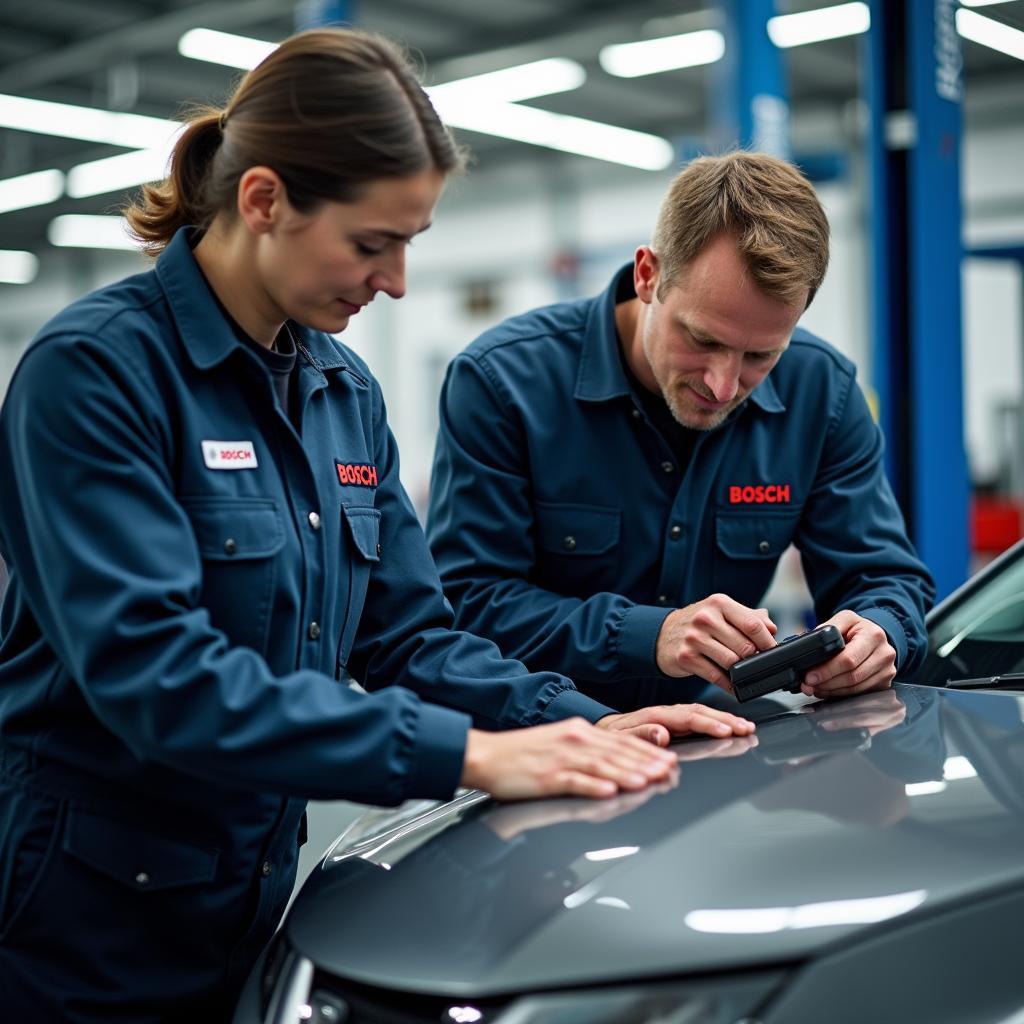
913	70
749	101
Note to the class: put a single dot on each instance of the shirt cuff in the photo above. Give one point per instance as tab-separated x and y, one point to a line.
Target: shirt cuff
636	643
440	751
895	632
570	703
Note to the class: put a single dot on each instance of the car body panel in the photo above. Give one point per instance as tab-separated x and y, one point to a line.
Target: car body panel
845	819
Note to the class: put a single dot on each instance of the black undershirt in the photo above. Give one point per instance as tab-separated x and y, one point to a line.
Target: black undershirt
280	360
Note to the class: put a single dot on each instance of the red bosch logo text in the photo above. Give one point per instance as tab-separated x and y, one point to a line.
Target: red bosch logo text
356	474
770	494
235	453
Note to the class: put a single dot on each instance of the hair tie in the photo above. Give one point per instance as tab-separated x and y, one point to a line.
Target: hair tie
223	120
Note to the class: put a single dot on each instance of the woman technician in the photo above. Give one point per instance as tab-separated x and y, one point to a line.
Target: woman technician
205	528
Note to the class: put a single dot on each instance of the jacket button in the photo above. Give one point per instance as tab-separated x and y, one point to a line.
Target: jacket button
569	543
667	467
380	550
676	532
142	878
230	546
266	868
663	599
635	414
314	520
764	547
314	631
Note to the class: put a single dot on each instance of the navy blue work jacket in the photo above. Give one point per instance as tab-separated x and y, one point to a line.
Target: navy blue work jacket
565	530
191	578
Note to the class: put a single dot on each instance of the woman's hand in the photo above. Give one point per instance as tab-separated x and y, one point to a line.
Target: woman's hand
571	757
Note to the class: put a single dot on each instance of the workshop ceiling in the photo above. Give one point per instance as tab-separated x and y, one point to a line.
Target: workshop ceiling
122	55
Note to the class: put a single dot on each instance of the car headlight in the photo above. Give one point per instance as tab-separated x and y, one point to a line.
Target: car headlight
695	1002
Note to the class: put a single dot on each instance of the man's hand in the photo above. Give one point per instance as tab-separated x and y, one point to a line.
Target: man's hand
660	723
707	638
867	662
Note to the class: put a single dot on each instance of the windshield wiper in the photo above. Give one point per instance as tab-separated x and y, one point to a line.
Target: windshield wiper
1010	681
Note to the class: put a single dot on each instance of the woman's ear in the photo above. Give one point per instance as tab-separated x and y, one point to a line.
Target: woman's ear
262	199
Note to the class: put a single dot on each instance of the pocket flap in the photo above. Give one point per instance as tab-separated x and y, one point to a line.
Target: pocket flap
577	529
364	528
754	536
133	856
229	529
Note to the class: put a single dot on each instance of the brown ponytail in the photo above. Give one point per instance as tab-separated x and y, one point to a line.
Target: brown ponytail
329	110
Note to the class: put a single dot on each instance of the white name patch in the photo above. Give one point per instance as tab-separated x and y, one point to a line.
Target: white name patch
229	455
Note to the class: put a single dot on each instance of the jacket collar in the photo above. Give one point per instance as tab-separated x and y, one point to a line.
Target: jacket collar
205	333
601	377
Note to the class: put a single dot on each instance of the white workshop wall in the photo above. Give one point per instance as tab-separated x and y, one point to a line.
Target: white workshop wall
508	227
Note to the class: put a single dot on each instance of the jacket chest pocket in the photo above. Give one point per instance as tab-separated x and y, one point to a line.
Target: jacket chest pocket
577	547
747	550
360	530
238	539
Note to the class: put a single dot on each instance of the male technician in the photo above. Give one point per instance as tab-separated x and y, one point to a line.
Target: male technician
616	478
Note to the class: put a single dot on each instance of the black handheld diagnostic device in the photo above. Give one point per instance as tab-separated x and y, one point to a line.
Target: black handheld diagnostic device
783	666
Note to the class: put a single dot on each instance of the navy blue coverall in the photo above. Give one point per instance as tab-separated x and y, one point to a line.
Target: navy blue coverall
566	530
191	580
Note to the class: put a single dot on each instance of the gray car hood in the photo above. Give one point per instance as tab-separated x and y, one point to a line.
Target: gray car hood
845	818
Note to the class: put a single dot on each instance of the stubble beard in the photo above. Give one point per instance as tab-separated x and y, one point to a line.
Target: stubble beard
676	395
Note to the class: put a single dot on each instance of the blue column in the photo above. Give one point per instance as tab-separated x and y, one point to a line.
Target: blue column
749	101
913	70
884	64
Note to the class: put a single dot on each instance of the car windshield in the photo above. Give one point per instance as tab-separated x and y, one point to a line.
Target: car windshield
984	634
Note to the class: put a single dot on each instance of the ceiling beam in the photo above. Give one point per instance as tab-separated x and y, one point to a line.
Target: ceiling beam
138	40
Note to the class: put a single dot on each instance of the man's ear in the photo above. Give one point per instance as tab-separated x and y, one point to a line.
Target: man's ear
645	274
262	198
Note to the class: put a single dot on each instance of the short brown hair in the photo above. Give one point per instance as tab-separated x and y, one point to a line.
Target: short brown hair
330	110
765	203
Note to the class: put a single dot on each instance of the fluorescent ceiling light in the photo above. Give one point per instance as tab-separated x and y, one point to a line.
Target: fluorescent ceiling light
17	267
78	231
224	48
33	189
651	56
787	30
522	82
88	123
112	173
991	33
486	103
981	3
562	132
